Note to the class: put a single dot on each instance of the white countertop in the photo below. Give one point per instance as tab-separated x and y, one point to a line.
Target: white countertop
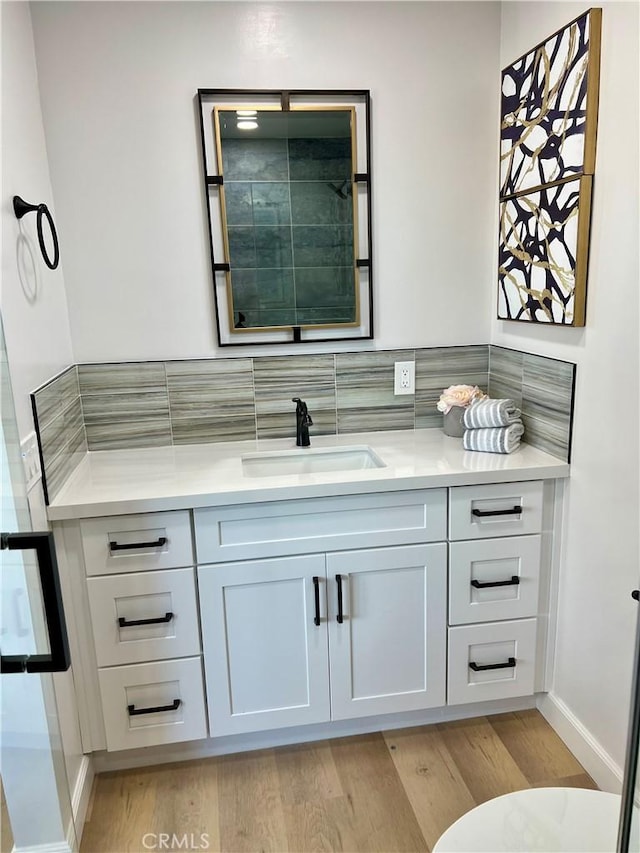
114	482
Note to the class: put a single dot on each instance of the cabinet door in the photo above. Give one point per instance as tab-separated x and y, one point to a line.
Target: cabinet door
388	653
266	659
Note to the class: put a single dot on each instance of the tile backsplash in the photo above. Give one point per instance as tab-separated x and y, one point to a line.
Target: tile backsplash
59	423
154	404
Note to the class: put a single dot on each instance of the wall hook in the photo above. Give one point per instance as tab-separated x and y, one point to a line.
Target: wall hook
20	207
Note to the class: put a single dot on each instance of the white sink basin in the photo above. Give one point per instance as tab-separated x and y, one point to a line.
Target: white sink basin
305	460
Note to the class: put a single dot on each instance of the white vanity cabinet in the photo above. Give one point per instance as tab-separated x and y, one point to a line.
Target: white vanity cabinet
494	584
387	629
265	653
330	635
309	638
144	618
257	616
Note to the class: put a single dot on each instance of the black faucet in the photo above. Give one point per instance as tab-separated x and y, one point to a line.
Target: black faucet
303	422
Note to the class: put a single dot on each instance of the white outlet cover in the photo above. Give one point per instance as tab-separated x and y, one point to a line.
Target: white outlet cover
404	377
31	460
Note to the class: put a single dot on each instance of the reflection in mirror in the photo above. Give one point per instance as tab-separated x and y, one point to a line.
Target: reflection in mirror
290	217
287	184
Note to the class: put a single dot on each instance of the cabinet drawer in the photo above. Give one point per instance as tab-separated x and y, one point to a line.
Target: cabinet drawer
168	596
283	528
153	703
136	543
493	579
503	654
501	509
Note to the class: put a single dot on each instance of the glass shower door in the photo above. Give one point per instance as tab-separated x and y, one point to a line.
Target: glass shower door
629	826
34	792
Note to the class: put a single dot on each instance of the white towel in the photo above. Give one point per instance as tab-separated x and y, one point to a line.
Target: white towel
495	440
491	413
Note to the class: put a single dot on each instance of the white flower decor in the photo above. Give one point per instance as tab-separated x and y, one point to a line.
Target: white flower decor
459	395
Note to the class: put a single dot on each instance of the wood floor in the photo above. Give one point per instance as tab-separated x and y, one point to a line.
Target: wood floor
389	791
6	836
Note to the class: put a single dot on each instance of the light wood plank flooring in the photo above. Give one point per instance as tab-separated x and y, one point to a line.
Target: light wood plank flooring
6	836
389	791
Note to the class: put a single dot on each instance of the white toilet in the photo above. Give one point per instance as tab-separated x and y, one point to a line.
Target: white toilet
554	820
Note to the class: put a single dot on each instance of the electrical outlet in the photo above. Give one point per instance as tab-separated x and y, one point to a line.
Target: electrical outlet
31	460
405	377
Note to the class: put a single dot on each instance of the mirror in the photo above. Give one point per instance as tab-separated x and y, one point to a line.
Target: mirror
288	206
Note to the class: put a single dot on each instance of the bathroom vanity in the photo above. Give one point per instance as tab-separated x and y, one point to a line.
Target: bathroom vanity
239	593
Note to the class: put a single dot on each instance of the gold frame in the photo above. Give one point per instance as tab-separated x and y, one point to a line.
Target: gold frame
582	250
585	175
217	109
591	105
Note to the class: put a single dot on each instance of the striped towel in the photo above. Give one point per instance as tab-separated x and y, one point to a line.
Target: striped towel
495	440
491	413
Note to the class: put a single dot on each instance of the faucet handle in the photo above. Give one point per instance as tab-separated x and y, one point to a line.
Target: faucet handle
302	411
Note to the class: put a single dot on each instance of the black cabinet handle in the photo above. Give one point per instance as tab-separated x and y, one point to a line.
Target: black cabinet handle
134	712
481	667
636	595
483	513
316	593
515	580
340	616
58	659
123	623
160	541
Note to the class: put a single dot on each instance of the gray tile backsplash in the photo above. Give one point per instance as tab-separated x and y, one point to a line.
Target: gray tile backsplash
278	379
505	374
543	388
151	404
440	367
125	405
364	392
59	423
211	400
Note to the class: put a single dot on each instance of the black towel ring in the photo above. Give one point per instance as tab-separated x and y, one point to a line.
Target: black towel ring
20	207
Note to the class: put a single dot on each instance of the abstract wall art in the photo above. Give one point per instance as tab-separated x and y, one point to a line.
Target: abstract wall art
543	253
549	112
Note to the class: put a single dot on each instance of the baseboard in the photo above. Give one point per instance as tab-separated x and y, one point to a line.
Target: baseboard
605	772
80	797
81	794
209	747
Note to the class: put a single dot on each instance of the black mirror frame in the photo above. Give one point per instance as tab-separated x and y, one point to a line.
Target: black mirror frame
206	100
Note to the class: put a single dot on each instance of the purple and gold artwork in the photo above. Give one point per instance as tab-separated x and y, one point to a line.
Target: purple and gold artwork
543	254
549	107
547	159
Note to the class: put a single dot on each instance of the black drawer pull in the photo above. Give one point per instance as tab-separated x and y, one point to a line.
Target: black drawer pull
483	513
123	623
481	667
160	541
316	593
515	580
340	616
134	712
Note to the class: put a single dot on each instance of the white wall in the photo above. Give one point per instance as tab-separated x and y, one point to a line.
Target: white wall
33	301
118	82
601	565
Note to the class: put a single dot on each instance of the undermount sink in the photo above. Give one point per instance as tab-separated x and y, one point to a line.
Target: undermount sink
304	460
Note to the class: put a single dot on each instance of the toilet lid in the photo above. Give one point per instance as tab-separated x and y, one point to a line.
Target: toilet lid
556	820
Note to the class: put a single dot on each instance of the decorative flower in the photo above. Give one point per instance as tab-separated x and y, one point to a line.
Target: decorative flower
459	395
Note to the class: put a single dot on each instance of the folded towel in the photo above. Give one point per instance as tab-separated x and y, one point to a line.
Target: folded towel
491	413
494	440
